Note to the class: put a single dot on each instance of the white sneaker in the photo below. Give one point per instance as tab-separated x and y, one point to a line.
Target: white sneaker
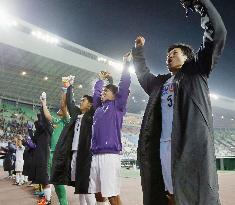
20	184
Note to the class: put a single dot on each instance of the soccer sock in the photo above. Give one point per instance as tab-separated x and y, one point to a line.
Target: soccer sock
82	200
21	178
26	179
61	194
17	177
47	193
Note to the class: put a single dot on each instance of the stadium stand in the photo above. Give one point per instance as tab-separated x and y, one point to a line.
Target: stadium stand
225	142
19	114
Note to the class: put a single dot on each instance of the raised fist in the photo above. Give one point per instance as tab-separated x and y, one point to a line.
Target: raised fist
43	97
139	41
102	75
189	4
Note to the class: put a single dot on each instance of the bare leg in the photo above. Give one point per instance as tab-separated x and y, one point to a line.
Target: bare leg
99	197
171	199
115	200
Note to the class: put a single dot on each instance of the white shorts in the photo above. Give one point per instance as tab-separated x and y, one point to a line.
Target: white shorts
105	174
165	155
73	165
19	166
87	199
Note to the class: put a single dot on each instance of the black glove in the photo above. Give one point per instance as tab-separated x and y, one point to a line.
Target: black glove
189	4
192	5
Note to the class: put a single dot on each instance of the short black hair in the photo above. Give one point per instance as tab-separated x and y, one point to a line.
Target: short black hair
112	88
186	49
89	98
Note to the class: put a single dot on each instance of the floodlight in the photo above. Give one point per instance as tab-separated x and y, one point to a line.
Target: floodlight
45	37
6	20
214	96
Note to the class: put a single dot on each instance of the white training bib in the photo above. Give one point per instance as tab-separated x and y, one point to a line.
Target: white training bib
77	132
167	104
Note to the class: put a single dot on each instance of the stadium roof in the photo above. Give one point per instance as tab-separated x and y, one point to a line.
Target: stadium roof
34	60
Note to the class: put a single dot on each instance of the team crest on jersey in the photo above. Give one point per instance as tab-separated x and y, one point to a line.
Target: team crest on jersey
168	89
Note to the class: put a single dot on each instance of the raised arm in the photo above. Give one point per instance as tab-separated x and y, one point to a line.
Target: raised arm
63	105
46	112
124	84
146	79
214	34
98	90
72	108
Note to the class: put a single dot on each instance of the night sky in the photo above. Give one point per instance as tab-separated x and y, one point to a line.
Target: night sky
110	27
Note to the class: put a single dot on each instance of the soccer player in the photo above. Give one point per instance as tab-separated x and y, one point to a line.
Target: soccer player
110	104
176	147
75	141
58	125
